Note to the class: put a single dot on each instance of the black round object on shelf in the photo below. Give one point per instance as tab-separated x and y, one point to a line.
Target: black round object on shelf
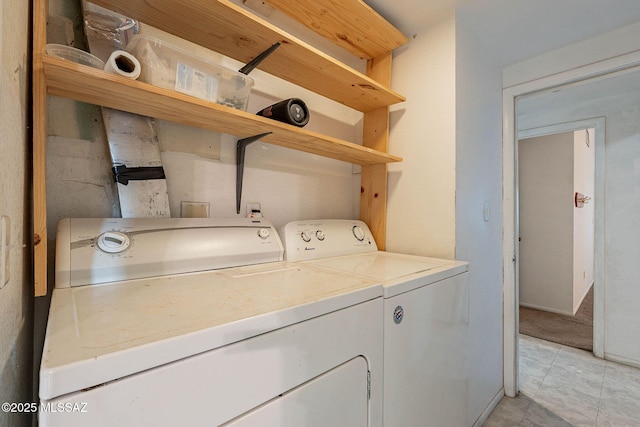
293	111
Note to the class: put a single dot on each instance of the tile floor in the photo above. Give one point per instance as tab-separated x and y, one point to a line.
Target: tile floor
564	386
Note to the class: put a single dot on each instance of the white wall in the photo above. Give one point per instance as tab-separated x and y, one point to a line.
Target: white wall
16	297
448	133
575	56
545	181
583	218
479	188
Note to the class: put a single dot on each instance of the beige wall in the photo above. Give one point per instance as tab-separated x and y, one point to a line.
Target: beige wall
545	173
16	301
421	208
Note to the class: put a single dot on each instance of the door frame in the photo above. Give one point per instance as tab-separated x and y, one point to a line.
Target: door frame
510	95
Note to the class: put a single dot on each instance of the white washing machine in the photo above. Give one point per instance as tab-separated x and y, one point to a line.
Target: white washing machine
426	318
139	334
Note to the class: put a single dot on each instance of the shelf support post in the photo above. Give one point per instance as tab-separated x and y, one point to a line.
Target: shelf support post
373	187
39	119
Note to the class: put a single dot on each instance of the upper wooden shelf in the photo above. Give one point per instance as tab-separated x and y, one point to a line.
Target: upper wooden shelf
227	28
353	25
82	83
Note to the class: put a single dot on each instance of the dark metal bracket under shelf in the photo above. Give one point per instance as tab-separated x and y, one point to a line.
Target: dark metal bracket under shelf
241	147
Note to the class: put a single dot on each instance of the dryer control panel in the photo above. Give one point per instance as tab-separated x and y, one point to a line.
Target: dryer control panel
314	239
101	250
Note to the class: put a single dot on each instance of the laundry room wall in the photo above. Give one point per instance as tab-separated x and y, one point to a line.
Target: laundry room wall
421	206
574	56
200	164
448	133
621	179
16	295
479	212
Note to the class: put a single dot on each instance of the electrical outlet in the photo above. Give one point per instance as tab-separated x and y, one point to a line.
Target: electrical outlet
253	210
194	210
5	239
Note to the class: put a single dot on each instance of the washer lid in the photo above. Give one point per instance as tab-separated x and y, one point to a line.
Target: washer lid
398	272
382	265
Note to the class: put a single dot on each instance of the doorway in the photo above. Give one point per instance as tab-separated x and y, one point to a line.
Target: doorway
512	97
556	177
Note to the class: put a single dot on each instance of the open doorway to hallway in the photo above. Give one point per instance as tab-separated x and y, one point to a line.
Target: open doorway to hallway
609	90
556	183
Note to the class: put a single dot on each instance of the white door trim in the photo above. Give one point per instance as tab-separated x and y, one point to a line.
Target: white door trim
601	69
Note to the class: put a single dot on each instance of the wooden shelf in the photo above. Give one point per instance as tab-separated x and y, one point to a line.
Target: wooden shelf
227	28
353	25
82	83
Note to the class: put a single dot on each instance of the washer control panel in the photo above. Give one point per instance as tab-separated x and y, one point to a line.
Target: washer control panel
314	239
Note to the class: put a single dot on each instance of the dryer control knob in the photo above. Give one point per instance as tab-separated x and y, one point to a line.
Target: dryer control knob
264	233
320	235
305	236
358	233
113	242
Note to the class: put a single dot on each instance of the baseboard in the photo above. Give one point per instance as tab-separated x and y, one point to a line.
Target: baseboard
622	360
577	307
550	310
489	409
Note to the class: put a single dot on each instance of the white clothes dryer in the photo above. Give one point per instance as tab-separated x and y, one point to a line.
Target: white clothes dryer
161	322
426	318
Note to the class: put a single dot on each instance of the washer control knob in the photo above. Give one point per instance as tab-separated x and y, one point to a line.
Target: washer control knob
358	233
305	236
320	235
113	242
264	233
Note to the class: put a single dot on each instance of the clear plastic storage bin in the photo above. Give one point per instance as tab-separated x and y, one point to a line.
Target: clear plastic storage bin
171	67
74	54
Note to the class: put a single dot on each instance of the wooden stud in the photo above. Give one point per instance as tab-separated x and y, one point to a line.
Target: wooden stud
40	13
373	195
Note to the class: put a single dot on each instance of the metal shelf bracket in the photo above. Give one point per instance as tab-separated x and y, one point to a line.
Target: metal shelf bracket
241	147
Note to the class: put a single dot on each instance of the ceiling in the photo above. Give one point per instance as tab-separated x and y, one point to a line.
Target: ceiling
514	30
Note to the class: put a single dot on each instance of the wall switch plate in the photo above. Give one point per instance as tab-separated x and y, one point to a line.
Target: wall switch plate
5	239
486	212
194	210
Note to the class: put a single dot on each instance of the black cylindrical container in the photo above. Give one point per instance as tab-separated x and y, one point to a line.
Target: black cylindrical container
293	111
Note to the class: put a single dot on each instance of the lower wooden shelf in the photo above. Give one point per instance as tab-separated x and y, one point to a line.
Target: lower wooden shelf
82	83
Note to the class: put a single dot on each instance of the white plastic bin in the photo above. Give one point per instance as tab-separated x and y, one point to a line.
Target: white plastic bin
171	67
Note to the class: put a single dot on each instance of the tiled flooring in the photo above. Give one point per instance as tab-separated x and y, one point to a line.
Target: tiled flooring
563	386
